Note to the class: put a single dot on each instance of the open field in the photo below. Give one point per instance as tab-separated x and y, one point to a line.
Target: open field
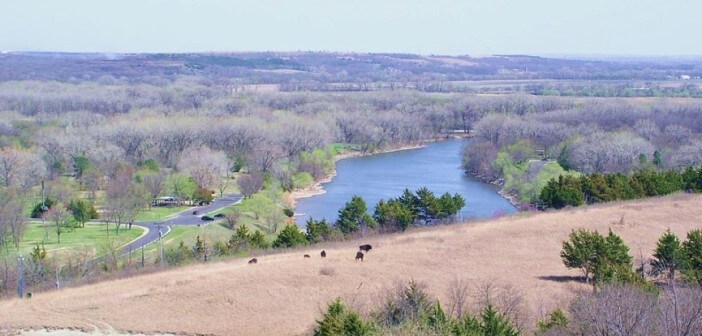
91	237
284	293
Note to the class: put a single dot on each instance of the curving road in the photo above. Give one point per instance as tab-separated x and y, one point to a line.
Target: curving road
184	218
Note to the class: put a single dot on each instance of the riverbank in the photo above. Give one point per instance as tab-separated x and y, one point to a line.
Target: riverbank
317	188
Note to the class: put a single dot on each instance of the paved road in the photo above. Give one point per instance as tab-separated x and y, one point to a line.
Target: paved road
185	218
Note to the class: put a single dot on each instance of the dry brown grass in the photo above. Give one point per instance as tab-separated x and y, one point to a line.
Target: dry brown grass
284	293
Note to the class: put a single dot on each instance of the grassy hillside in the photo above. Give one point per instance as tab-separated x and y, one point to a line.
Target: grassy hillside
283	294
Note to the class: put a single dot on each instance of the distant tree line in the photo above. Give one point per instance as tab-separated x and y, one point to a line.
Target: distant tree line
291	68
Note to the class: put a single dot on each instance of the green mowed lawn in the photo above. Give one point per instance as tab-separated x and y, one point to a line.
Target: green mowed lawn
212	233
92	237
159	213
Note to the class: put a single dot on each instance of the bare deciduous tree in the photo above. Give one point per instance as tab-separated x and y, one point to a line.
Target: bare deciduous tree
58	216
250	183
154	184
20	169
204	165
124	199
12	219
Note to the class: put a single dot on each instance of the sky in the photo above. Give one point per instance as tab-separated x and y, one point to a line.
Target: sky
449	27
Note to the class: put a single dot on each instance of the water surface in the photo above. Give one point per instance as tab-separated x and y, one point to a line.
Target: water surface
383	176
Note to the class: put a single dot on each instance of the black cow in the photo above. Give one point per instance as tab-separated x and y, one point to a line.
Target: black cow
324	254
306	256
253	261
359	255
365	248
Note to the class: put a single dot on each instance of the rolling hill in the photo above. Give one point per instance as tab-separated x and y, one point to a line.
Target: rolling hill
284	293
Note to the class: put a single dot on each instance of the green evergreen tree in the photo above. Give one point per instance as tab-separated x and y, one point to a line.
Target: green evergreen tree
80	164
467	325
410	201
668	257
258	240
596	189
690	177
38	211
566	191
338	320
290	236
658	159
437	320
353	216
392	216
317	231
82	211
620	187
495	324
581	251
557	319
603	257
692	249
427	204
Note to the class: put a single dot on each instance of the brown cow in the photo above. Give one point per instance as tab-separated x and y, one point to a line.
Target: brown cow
253	261
359	255
365	248
324	254
306	256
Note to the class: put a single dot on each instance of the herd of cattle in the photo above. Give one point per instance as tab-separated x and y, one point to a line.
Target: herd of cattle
359	255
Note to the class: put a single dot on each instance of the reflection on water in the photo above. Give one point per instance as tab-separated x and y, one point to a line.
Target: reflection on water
383	176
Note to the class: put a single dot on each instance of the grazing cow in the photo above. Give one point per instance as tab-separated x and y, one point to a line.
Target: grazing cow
306	256
253	261
324	254
359	255
365	248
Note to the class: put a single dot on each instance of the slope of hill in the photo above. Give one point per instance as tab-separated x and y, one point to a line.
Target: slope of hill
283	294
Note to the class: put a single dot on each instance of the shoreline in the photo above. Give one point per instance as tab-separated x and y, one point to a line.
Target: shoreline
317	188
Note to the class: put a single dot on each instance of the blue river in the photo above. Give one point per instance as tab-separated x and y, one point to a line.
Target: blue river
436	166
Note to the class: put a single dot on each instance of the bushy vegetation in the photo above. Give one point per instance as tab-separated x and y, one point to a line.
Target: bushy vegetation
573	190
408	310
606	260
603	257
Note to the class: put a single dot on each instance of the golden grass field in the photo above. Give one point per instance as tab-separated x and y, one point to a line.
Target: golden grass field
283	294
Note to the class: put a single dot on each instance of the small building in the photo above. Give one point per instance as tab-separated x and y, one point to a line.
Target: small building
685	77
165	200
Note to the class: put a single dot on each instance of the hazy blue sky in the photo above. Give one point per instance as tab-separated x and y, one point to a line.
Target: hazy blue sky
476	27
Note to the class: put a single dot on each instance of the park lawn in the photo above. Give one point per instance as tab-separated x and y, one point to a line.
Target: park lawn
159	213
93	236
246	218
213	232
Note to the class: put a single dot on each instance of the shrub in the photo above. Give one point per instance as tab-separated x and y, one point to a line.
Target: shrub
290	236
37	211
339	320
178	255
